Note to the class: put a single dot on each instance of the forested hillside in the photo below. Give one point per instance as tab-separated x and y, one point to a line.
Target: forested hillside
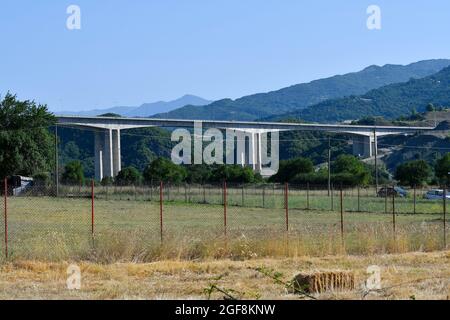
390	101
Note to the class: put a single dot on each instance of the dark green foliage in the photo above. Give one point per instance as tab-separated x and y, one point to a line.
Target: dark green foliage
300	96
142	146
198	173
77	144
107	181
234	174
413	173
128	176
26	146
312	145
346	171
73	173
293	168
350	171
42	179
111	115
162	169
313	178
430	107
372	121
442	168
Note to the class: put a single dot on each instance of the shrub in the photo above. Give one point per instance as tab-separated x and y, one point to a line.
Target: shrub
162	169
73	173
128	176
413	173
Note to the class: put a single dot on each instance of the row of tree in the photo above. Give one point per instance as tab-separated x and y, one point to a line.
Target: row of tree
346	170
162	169
419	172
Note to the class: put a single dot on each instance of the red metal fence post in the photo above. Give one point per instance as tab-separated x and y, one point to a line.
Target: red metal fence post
6	216
286	204
415	199
92	206
445	213
225	207
161	209
393	214
359	198
307	196
342	216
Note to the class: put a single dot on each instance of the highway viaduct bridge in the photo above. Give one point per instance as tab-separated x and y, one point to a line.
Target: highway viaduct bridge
107	136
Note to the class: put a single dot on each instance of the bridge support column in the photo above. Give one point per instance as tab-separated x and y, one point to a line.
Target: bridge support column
248	151
117	161
107	153
99	150
363	146
257	157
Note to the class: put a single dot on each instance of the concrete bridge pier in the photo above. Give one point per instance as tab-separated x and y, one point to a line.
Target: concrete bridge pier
364	146
248	151
107	153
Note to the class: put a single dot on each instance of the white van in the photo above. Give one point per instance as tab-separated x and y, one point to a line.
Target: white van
436	194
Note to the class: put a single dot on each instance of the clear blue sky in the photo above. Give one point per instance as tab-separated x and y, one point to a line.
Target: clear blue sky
130	52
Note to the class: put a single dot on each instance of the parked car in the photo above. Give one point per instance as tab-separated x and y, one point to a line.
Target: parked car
390	191
436	194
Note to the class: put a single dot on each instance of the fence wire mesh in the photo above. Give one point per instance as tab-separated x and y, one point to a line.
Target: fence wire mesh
191	221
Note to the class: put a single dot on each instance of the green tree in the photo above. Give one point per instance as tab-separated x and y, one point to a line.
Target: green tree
198	173
73	173
413	173
234	174
128	176
110	115
41	179
162	169
26	145
349	170
294	167
442	168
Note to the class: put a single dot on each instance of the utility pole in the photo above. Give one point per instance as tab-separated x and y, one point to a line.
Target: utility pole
56	162
434	114
375	151
329	166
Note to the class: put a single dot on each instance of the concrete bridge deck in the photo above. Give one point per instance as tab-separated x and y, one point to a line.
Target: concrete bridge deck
107	136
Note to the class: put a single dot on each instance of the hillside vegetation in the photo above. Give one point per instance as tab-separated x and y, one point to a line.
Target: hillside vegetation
389	101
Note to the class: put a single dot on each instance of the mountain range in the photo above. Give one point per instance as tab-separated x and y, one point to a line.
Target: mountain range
289	101
389	91
146	109
390	102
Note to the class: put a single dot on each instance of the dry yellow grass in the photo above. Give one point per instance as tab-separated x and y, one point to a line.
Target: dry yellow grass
404	276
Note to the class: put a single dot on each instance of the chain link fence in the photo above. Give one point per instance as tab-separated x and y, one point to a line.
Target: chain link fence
188	221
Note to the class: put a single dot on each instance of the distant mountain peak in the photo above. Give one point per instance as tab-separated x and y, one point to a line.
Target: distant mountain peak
373	67
147	109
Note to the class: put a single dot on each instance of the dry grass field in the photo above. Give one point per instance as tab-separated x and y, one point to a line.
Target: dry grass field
125	259
59	229
403	276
